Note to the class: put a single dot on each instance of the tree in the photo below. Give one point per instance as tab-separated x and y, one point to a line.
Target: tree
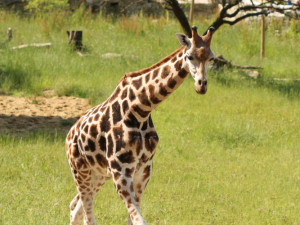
242	11
234	11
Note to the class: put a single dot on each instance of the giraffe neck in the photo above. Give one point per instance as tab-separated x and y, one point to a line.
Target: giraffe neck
149	87
140	92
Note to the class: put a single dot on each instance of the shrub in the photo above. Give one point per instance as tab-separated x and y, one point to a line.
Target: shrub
46	5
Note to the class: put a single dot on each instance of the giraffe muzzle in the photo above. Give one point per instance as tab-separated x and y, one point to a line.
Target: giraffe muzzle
201	86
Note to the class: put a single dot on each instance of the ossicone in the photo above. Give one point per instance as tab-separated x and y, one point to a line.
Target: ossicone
208	36
196	39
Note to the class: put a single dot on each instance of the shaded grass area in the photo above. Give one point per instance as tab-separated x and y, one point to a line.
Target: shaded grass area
228	157
237	78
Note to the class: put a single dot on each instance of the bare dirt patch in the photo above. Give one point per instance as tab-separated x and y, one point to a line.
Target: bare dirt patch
22	115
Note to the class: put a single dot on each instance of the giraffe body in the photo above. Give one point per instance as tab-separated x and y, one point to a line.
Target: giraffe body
117	138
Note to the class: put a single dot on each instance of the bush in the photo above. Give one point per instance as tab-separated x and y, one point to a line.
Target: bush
46	5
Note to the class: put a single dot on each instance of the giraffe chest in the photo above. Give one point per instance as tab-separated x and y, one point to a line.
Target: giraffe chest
142	142
100	141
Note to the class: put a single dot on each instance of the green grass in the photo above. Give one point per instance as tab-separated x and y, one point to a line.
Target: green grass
228	157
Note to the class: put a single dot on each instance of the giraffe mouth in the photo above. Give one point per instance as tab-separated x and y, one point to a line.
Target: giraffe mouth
201	91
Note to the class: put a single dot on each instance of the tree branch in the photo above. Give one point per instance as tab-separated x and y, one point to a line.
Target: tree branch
244	17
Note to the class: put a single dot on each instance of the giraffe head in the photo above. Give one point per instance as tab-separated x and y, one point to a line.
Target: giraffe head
197	55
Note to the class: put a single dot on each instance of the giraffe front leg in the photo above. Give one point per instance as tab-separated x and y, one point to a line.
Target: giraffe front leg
76	211
141	179
123	182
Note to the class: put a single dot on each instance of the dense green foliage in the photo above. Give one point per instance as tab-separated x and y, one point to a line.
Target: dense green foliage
46	5
228	157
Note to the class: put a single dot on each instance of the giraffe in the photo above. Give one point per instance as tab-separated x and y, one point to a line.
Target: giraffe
117	138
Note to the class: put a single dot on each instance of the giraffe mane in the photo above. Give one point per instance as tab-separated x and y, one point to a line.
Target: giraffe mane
146	70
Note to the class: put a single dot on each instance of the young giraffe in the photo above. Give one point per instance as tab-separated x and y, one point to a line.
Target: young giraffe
117	138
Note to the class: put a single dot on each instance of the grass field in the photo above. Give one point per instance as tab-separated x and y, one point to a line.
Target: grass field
228	157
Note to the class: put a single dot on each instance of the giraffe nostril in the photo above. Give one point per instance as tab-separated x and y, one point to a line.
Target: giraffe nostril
199	82
205	82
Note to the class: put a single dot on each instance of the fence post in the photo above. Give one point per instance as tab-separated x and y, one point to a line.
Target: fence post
191	12
262	43
9	34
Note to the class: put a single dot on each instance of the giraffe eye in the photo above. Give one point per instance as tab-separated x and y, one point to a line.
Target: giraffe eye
190	57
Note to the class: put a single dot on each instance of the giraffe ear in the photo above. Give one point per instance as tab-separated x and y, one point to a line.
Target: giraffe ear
183	40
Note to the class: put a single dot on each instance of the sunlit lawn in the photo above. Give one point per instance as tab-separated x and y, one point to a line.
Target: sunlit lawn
229	157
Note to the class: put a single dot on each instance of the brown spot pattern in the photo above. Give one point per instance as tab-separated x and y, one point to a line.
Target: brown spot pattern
141	112
82	137
116	177
115	165
105	124
135	139
131	95
115	94
110	146
165	72
91	145
182	73
118	135
147	172
86	129
131	121
144	98
178	65
102	143
90	159
137	83
94	130
101	160
145	125
125	106
162	90
75	151
153	98
116	109
124	94
147	77
96	118
124	182
155	73
129	172
151	140
126	157
171	83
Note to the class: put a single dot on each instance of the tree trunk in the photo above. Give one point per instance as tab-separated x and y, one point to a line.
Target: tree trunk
75	38
180	16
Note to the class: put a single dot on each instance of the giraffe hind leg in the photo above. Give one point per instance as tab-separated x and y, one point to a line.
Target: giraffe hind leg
88	183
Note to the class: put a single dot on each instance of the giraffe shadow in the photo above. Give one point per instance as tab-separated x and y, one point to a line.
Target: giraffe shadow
22	125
